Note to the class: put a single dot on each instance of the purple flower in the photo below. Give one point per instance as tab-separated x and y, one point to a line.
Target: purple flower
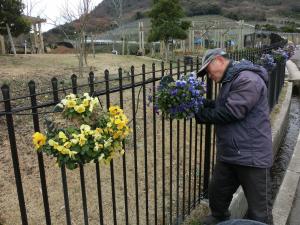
174	92
180	99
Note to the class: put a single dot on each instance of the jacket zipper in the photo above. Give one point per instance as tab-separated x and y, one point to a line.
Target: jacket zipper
235	146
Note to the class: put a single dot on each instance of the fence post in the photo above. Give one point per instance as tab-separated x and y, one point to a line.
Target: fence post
54	83
171	158
36	125
207	145
81	168
184	158
112	174
74	83
135	146
14	152
124	156
154	144
91	83
163	158
178	220
145	142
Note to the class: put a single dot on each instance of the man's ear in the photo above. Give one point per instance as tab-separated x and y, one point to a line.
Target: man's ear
220	58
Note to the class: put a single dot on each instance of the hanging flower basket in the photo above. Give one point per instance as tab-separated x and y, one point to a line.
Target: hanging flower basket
179	99
82	132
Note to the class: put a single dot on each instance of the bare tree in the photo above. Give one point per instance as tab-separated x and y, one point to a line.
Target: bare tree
33	7
78	16
118	15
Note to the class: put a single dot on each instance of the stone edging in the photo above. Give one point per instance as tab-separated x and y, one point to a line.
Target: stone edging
284	199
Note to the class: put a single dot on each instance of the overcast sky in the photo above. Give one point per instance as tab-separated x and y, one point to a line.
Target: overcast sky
51	10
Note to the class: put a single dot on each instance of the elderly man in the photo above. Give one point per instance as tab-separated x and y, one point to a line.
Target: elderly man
243	131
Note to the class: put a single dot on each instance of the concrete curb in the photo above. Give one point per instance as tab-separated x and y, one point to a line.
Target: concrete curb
284	200
238	206
286	194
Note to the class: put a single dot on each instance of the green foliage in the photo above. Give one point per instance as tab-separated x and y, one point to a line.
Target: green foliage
139	15
240	13
295	7
289	28
269	27
204	9
11	14
166	21
272	2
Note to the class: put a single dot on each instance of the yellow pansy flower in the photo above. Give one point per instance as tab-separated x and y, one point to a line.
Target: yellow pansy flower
79	108
72	153
116	135
85	127
74	141
71	96
71	103
98	146
107	143
87	96
115	110
121	125
86	102
118	121
62	136
101	157
67	144
53	143
124	119
98	130
82	139
97	133
122	152
60	148
38	140
110	130
94	101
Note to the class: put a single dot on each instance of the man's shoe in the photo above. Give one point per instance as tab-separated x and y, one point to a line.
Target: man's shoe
211	220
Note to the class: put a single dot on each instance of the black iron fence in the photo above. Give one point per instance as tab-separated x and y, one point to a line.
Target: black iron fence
161	178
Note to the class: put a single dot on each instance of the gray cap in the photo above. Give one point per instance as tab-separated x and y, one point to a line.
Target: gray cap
209	55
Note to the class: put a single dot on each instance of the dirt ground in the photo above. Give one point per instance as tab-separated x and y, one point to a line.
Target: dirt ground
16	71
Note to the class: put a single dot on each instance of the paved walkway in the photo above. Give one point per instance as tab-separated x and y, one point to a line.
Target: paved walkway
294	218
292	67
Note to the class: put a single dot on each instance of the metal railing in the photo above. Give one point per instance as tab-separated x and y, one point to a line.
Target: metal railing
167	166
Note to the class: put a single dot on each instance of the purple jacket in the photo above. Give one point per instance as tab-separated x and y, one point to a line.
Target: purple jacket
247	140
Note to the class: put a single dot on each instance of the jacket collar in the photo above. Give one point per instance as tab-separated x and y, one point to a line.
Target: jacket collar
228	73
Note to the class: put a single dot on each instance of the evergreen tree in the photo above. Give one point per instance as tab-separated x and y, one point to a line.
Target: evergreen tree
166	23
11	20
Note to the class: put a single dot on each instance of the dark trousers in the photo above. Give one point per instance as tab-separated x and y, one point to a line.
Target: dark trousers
255	183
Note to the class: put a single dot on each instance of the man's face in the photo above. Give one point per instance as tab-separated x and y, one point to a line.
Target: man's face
216	68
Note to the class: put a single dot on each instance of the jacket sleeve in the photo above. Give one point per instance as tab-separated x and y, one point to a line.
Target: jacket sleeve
219	115
244	94
209	103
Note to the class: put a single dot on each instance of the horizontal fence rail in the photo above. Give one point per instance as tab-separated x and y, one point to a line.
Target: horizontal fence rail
161	178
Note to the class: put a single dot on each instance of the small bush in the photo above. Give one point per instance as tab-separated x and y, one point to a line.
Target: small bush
204	9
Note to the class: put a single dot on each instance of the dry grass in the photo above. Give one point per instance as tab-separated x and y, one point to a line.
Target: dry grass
61	66
17	71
